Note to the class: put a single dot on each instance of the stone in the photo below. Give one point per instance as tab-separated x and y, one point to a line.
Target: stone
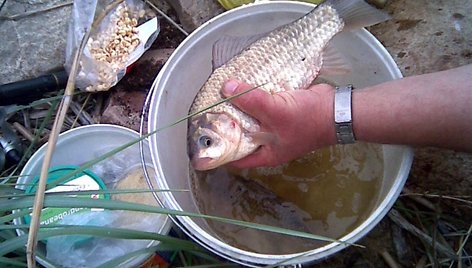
32	44
127	97
424	36
124	109
193	13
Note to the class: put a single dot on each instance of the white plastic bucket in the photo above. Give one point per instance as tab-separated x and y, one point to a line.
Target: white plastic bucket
185	72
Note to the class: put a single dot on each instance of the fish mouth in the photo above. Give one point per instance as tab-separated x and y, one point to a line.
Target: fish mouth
203	163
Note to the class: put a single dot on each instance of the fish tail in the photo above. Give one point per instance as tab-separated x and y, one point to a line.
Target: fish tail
357	13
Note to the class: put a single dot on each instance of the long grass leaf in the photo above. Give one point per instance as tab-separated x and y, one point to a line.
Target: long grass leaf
464	242
117	262
15	215
7	234
217	265
88	192
205	256
118	233
143	137
284	262
70	202
5	262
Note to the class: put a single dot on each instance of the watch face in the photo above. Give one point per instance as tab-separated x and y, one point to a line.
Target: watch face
343	115
342	104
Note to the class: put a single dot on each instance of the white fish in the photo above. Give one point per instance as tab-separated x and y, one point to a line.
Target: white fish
288	58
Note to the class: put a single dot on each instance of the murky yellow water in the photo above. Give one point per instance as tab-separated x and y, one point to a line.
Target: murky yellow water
329	192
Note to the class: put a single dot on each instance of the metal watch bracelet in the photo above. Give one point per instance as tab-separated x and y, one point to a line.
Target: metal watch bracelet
343	115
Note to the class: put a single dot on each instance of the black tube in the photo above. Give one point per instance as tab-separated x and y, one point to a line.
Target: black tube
23	92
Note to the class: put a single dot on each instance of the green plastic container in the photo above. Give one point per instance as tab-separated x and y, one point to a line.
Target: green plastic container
82	181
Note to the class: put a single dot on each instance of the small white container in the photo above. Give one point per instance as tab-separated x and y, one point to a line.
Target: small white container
80	145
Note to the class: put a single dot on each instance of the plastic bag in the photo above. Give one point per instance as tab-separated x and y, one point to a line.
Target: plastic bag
124	34
93	251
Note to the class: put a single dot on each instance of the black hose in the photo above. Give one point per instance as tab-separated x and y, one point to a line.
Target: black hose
26	91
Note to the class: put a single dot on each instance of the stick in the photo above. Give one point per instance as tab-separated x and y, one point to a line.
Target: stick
25	132
34	12
389	259
454	198
395	216
176	25
56	129
419	199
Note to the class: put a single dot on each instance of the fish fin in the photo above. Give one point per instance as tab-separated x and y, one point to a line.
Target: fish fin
262	138
229	46
334	63
357	13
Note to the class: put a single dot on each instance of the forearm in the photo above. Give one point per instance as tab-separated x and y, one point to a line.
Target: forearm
427	110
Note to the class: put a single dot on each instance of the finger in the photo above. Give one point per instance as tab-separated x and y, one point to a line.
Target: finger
250	161
259	158
256	102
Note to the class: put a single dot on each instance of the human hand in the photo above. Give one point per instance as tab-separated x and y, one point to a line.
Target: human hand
300	120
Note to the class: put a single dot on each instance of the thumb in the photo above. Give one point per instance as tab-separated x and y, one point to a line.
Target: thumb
251	101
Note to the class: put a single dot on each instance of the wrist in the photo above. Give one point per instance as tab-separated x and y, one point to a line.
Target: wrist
326	128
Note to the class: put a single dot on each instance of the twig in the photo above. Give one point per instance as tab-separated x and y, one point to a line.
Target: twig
422	262
58	122
69	122
81	115
38	114
461	247
468	202
3	3
34	12
419	199
176	25
26	119
395	216
23	131
389	259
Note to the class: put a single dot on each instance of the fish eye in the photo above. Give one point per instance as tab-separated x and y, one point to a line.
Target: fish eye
205	141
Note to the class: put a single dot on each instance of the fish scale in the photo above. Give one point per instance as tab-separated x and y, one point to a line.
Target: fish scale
282	52
288	58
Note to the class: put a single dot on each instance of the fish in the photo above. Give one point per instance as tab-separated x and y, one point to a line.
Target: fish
287	58
247	199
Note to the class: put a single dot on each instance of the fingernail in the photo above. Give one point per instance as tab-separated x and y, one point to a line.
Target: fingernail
230	87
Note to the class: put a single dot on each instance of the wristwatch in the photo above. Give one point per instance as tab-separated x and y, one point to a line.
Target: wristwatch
343	115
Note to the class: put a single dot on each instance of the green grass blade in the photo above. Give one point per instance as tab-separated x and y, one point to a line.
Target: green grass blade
70	202
35	103
217	265
18	242
12	216
161	247
205	256
129	144
207	108
9	262
284	262
88	192
121	260
7	234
